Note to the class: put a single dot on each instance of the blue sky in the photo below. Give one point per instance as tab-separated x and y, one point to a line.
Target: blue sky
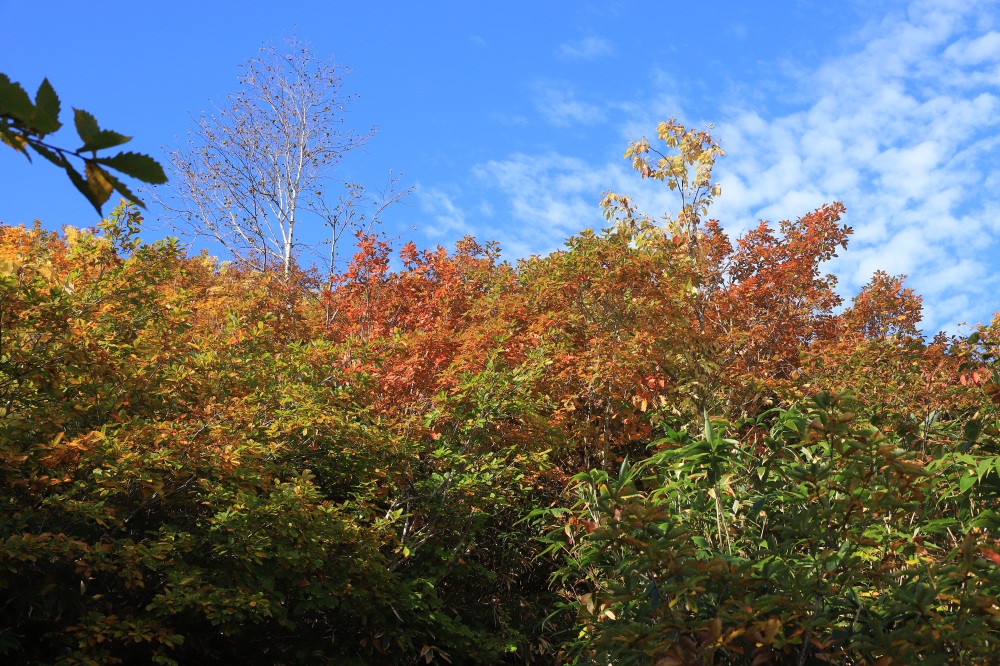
510	119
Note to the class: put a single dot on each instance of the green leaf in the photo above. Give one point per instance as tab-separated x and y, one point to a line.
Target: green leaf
972	429
14	140
86	125
56	158
988	519
983	468
124	191
93	137
966	482
14	102
701	542
105	139
81	185
138	166
47	105
710	435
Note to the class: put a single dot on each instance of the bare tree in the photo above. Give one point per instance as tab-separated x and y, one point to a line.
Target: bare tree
256	169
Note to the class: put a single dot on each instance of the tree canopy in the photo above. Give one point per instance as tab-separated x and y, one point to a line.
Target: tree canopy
654	446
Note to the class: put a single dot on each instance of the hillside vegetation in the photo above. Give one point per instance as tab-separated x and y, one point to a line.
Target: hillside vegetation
658	445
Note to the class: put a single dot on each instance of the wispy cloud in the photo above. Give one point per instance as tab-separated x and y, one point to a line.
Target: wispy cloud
508	118
985	49
552	197
557	102
737	30
588	48
905	138
903	130
448	217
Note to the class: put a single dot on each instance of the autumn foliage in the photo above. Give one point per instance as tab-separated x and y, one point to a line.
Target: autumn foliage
656	445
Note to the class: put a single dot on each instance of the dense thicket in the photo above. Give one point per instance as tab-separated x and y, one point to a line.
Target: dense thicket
653	446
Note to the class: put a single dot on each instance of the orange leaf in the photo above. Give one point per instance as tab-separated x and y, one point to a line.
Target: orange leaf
990	554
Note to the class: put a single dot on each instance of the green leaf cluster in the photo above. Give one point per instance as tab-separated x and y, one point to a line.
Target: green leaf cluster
811	538
25	124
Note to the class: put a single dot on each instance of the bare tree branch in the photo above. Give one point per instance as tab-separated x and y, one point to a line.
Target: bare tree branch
250	170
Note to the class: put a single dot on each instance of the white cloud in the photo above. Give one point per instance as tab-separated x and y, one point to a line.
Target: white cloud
551	197
975	51
588	48
737	30
905	139
508	118
559	106
448	217
903	130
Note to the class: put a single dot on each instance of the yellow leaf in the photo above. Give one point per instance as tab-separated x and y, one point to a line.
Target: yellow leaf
9	267
98	183
715	628
771	629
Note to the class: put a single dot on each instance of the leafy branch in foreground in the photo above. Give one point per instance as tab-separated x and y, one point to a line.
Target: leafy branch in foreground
25	124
